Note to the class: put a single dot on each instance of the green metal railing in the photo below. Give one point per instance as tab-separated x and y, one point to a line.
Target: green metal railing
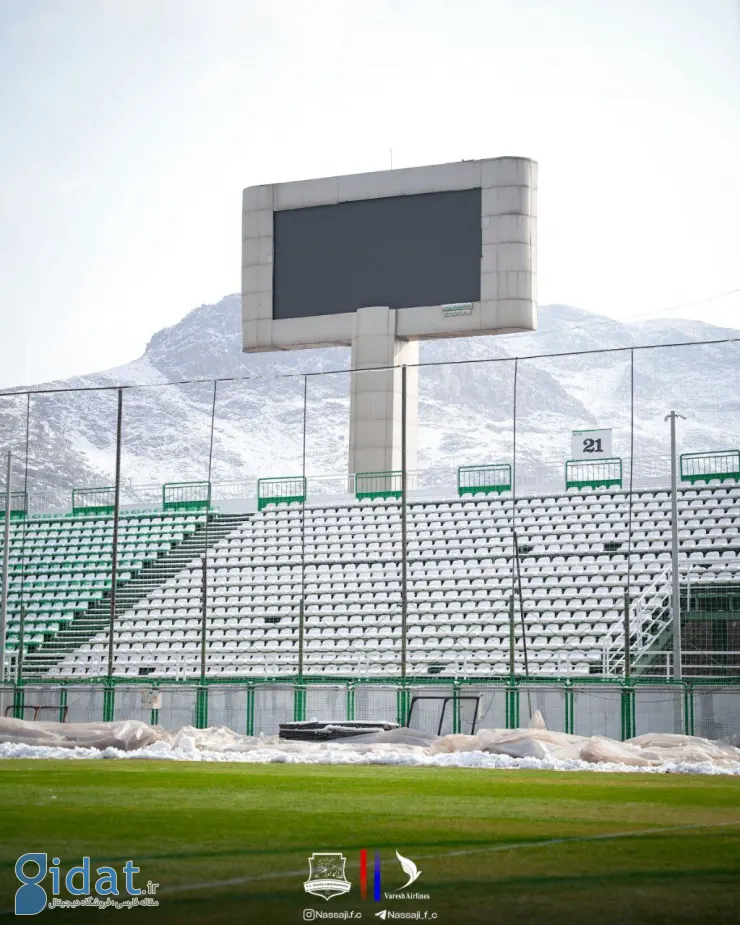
18	504
280	490
493	478
714	464
94	500
186	496
379	484
593	473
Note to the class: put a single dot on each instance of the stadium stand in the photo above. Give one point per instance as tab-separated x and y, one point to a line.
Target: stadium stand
60	572
574	558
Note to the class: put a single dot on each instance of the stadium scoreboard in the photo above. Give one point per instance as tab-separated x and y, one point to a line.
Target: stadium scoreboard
450	249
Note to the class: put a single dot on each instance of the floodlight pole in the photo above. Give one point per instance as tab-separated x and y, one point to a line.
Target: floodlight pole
675	582
6	570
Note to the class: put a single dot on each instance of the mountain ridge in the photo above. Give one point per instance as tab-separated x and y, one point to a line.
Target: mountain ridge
466	410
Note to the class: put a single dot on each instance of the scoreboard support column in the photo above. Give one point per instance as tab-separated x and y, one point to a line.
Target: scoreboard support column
375	401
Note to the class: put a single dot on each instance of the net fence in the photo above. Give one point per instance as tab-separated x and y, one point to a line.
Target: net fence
596	708
218	531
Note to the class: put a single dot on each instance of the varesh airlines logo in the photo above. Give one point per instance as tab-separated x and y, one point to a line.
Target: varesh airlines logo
412	873
409	868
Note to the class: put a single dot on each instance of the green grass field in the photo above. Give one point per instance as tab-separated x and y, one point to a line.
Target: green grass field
230	842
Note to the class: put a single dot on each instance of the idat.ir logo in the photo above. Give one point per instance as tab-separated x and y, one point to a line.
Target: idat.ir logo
31	897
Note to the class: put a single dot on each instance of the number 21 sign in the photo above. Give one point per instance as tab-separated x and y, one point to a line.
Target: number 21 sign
590	444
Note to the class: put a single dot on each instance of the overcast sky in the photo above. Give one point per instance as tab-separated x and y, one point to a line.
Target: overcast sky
130	127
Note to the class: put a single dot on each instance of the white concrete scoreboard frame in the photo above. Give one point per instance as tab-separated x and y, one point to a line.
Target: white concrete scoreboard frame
379	261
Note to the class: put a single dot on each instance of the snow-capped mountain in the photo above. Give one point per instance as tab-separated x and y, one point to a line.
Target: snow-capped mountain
466	411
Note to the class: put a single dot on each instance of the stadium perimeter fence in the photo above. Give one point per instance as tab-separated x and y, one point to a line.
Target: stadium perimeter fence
213	451
587	707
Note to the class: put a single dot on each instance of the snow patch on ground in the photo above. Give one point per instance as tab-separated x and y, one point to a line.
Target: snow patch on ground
535	748
341	754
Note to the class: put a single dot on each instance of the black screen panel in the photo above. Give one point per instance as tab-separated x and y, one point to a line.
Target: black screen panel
402	251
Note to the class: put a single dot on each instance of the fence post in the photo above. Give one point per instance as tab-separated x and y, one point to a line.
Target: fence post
404	535
201	706
403	697
63	702
628	712
688	707
250	709
109	700
18	699
512	705
627	640
512	641
299	703
21	643
114	547
569	705
350	701
154	716
456	725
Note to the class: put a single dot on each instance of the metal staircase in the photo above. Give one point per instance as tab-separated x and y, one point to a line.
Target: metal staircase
650	621
46	656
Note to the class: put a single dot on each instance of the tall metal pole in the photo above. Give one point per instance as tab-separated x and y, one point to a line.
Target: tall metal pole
302	611
404	557
6	570
627	652
630	496
21	646
676	588
24	533
204	581
114	550
512	639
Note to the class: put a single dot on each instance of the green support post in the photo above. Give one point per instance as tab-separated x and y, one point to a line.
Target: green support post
512	705
154	712
19	698
628	712
569	707
456	724
250	709
350	701
688	707
201	707
63	702
299	703
403	698
109	700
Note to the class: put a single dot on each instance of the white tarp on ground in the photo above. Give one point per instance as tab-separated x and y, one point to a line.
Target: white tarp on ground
536	748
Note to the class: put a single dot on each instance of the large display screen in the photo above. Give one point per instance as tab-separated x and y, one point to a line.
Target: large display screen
401	251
